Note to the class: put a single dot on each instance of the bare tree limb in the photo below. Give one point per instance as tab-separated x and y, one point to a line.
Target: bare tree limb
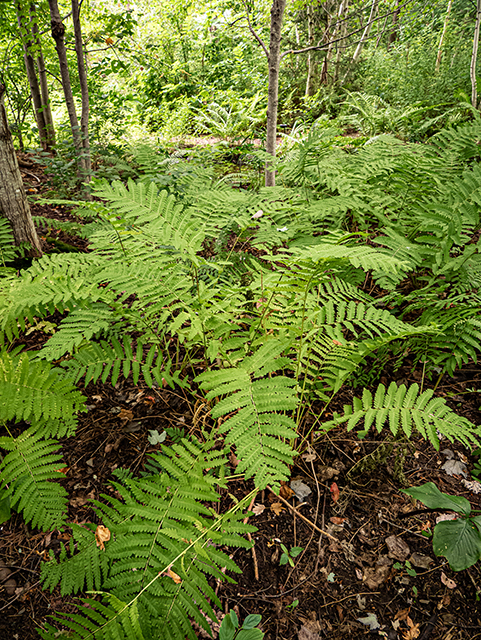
253	31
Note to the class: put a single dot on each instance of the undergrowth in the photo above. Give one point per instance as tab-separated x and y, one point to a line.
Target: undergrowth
257	301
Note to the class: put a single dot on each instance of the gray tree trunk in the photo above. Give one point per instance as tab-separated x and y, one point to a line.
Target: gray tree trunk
474	57
13	200
84	120
42	74
32	75
58	34
274	60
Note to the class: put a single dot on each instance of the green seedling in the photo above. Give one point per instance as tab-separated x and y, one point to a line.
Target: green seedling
230	630
288	556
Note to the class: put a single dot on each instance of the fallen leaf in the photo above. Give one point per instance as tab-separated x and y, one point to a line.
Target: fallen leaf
286	492
398	549
420	560
257	215
309	631
450	584
155	437
455	468
413	631
337	343
336	520
334	492
373	578
300	489
102	534
171	574
97	398
277	508
370	621
446	516
257	509
473	485
402	614
326	473
126	414
310	456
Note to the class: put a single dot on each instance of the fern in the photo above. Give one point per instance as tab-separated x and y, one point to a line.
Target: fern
258	429
110	621
8	251
27	472
80	565
35	392
407	410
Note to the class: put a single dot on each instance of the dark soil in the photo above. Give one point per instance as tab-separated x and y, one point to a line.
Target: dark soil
355	545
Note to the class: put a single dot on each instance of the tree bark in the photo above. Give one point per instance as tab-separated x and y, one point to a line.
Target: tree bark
42	74
331	37
343	31
58	34
309	55
364	37
443	34
84	119
13	200
274	60
393	35
32	75
472	70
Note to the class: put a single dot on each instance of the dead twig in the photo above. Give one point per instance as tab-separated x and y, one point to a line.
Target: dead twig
306	520
249	537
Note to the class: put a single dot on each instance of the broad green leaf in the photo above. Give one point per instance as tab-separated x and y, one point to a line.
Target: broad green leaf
250	634
430	495
459	541
251	621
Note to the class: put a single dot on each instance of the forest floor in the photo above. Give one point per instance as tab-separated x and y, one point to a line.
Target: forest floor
366	567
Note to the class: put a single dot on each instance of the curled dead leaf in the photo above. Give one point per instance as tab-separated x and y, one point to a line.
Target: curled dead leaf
102	534
334	492
450	584
277	508
257	509
171	574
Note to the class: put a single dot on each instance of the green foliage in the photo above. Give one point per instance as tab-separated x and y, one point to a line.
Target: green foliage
458	540
406	410
230	630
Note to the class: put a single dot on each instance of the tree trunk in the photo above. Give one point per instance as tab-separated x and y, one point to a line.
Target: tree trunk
13	200
331	37
393	35
342	33
42	74
310	57
364	37
58	34
474	89
84	120
32	75
274	60
443	34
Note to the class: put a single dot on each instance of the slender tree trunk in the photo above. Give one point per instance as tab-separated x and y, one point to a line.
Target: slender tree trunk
309	54
13	200
42	74
474	88
84	120
342	34
332	36
32	75
274	60
58	34
393	35
443	34
364	37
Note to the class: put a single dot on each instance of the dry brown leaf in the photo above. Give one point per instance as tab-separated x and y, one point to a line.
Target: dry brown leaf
334	492
336	520
337	343
402	614
171	574
286	492
277	508
413	631
450	584
126	414
102	534
257	509
398	549
374	577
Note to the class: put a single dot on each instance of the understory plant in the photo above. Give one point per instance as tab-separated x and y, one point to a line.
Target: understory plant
170	295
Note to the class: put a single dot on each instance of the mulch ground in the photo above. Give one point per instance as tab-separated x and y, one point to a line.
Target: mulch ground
366	568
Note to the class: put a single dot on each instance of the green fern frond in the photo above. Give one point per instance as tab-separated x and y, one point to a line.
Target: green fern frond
36	392
113	620
27	472
8	251
81	565
258	429
407	410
